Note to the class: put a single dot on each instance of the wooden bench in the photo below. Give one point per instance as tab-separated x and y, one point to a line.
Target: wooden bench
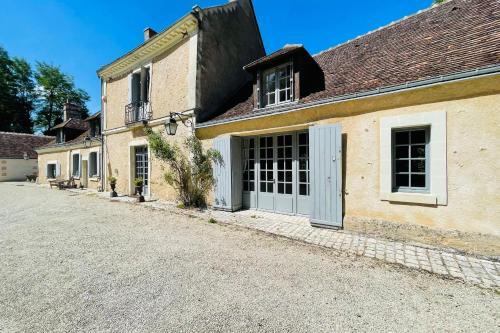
56	183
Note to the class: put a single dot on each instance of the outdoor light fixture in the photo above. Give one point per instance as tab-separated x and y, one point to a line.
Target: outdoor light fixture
171	123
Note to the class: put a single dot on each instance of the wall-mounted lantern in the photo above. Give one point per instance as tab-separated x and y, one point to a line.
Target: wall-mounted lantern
171	123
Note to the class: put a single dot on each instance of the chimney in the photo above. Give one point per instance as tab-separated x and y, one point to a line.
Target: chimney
148	33
71	110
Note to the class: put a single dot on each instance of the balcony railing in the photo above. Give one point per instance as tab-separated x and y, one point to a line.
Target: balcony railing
137	112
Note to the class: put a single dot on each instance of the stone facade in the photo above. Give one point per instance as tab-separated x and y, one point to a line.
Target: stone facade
63	157
472	120
198	64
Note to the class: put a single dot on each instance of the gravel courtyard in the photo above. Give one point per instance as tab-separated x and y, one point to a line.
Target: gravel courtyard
72	263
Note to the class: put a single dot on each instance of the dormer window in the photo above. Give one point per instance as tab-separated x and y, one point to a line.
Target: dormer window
60	136
277	85
95	128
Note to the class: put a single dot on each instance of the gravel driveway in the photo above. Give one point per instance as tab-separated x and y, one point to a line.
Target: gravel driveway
73	263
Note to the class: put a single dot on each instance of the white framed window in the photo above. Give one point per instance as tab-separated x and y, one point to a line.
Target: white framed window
51	170
413	158
410	160
75	165
93	165
277	85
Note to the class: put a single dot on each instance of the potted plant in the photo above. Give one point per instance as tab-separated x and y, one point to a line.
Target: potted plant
139	182
112	184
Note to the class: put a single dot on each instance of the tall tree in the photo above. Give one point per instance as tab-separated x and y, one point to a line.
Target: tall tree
7	96
24	87
54	89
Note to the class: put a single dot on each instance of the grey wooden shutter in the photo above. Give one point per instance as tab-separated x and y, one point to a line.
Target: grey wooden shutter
228	194
58	169
325	149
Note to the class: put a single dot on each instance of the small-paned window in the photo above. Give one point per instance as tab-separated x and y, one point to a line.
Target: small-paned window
51	170
410	160
266	158
75	165
284	158
277	86
303	158
93	169
249	165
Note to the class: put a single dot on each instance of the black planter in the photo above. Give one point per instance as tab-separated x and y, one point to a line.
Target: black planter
113	193
138	190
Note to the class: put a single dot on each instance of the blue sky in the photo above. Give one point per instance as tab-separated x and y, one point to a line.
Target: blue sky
82	35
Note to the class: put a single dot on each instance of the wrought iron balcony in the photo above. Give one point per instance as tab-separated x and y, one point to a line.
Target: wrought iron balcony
137	112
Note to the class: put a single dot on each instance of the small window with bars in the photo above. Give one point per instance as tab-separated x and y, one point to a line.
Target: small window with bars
303	158
248	165
410	160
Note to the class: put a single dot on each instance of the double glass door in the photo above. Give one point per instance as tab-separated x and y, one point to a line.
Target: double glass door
276	173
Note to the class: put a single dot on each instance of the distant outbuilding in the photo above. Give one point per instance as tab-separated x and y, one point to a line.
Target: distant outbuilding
18	158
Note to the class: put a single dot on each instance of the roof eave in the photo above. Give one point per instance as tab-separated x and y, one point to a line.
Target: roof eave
443	79
151	48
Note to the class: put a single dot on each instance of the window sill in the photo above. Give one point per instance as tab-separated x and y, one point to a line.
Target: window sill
418	198
94	179
276	106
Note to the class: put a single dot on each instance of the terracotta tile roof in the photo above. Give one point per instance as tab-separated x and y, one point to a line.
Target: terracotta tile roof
13	145
72	123
94	116
456	36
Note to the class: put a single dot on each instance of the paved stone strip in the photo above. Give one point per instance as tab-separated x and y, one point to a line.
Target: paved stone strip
481	272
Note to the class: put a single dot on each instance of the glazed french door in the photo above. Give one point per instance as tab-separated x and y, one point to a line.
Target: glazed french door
284	196
142	166
266	180
276	173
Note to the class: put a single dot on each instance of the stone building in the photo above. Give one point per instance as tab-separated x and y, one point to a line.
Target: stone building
18	158
75	152
399	125
183	73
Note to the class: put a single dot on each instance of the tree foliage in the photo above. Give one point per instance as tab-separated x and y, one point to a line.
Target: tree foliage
17	94
54	89
190	171
34	98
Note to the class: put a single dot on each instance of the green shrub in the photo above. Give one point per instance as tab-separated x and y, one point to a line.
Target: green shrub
189	171
112	180
138	182
212	220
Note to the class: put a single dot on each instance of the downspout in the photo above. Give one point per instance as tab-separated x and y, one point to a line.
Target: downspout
102	137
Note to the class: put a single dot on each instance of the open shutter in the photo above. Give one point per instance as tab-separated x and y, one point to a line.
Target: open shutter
58	169
228	194
325	151
47	171
80	166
